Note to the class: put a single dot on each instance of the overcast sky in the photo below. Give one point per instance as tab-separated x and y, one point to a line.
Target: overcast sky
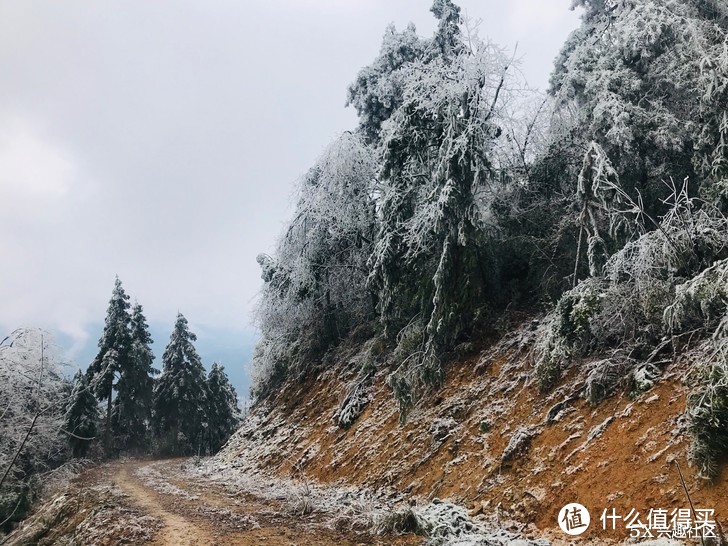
161	140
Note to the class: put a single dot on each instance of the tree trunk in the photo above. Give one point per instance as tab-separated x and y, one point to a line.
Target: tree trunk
175	437
107	436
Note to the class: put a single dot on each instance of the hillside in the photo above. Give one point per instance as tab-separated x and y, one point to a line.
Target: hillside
487	459
489	440
497	315
392	352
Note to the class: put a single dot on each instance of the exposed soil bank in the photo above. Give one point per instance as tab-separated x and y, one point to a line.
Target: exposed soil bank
490	441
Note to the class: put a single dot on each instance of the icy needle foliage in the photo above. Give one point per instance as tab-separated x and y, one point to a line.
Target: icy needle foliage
132	408
708	406
113	355
661	280
222	413
180	393
315	283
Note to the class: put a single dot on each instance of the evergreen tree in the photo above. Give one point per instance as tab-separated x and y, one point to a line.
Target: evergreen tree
180	394
377	91
648	82
81	416
113	355
431	263
223	414
133	403
315	289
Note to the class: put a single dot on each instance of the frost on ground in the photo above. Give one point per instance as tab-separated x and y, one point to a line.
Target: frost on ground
350	507
151	476
379	511
446	523
94	515
115	521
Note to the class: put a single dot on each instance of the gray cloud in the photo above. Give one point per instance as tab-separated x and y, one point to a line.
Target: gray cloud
160	140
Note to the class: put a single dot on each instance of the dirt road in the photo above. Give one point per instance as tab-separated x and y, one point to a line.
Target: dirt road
176	502
193	511
175	528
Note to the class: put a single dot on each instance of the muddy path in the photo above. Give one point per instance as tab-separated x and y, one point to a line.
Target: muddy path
175	502
193	511
175	528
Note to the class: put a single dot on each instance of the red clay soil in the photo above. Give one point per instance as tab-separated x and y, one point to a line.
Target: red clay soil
631	465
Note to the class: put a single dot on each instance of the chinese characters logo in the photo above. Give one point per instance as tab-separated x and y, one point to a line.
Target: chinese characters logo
574	519
680	523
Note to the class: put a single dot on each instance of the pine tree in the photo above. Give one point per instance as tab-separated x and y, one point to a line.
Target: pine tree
133	403
113	355
180	394
81	416
223	414
648	82
431	264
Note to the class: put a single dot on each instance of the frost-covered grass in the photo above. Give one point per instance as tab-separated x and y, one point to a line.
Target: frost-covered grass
152	477
358	509
361	510
445	523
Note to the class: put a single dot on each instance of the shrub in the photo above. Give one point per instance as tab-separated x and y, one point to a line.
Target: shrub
356	399
643	290
566	332
701	300
707	406
605	377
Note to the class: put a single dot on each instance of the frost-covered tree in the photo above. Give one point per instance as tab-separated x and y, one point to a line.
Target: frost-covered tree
223	415
113	356
315	284
437	149
648	81
81	419
180	392
32	397
377	91
133	403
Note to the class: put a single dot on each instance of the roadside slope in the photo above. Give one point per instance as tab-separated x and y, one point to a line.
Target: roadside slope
489	440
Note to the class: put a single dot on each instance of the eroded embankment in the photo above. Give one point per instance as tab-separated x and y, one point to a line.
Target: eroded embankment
489	440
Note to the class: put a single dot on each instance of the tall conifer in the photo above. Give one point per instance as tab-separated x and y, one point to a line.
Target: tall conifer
133	403
180	394
113	355
223	414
